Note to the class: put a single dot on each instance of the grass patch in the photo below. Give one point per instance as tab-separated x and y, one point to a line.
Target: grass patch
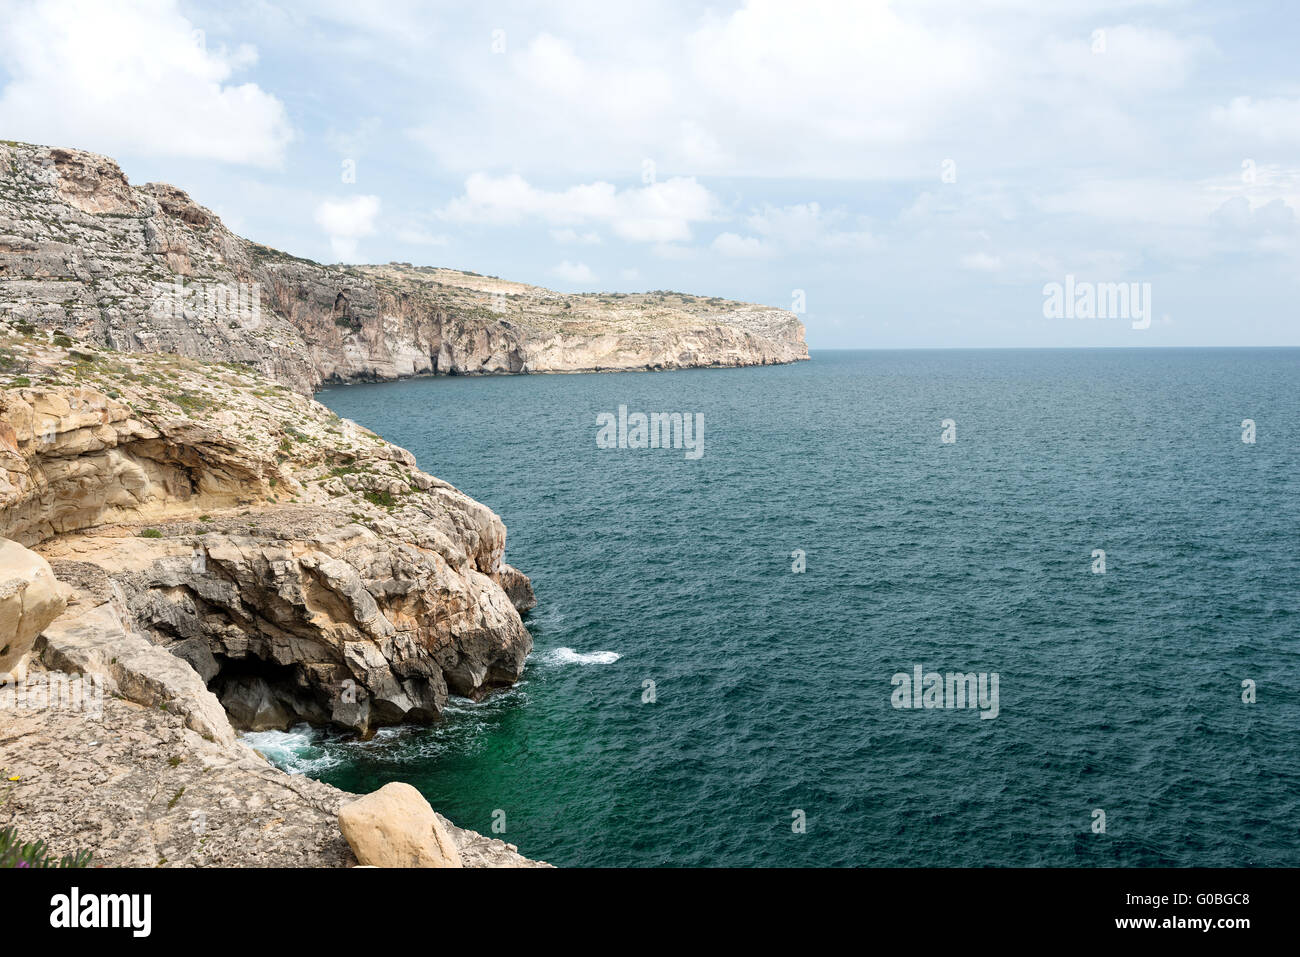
382	499
192	403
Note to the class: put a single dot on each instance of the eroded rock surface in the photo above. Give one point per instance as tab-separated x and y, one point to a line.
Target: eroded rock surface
228	549
147	269
304	568
97	643
205	545
140	789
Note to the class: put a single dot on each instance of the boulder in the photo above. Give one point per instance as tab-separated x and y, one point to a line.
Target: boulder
30	599
138	788
97	643
396	827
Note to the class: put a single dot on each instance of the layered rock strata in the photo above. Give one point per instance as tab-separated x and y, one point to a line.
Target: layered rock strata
304	568
147	269
189	549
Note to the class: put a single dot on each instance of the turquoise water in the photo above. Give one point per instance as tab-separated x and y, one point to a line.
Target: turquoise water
1119	691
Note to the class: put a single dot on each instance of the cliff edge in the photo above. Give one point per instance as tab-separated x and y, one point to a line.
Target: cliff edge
147	269
194	549
304	567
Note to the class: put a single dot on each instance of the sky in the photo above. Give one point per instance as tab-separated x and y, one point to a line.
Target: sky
903	175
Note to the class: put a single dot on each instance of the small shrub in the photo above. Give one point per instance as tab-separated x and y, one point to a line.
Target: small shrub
192	403
16	854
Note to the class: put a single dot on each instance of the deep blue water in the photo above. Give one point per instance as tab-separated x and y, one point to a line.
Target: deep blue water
1119	691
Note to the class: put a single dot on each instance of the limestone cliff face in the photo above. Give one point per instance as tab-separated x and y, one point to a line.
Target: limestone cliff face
305	568
181	522
145	268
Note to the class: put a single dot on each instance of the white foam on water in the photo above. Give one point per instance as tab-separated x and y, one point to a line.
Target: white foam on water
567	656
457	706
297	750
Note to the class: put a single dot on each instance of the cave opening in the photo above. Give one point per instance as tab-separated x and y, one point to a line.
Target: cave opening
262	695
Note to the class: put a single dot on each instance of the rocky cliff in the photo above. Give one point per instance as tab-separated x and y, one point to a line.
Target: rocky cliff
207	550
304	567
139	788
185	530
147	269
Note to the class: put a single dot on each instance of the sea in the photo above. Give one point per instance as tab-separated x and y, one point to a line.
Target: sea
886	608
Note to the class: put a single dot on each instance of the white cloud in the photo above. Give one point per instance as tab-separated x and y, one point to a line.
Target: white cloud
797	228
772	88
858	89
1013	265
1146	201
808	226
981	262
133	79
1126	59
1264	122
1239	216
578	91
574	272
420	237
735	246
660	212
573	237
832	72
346	221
